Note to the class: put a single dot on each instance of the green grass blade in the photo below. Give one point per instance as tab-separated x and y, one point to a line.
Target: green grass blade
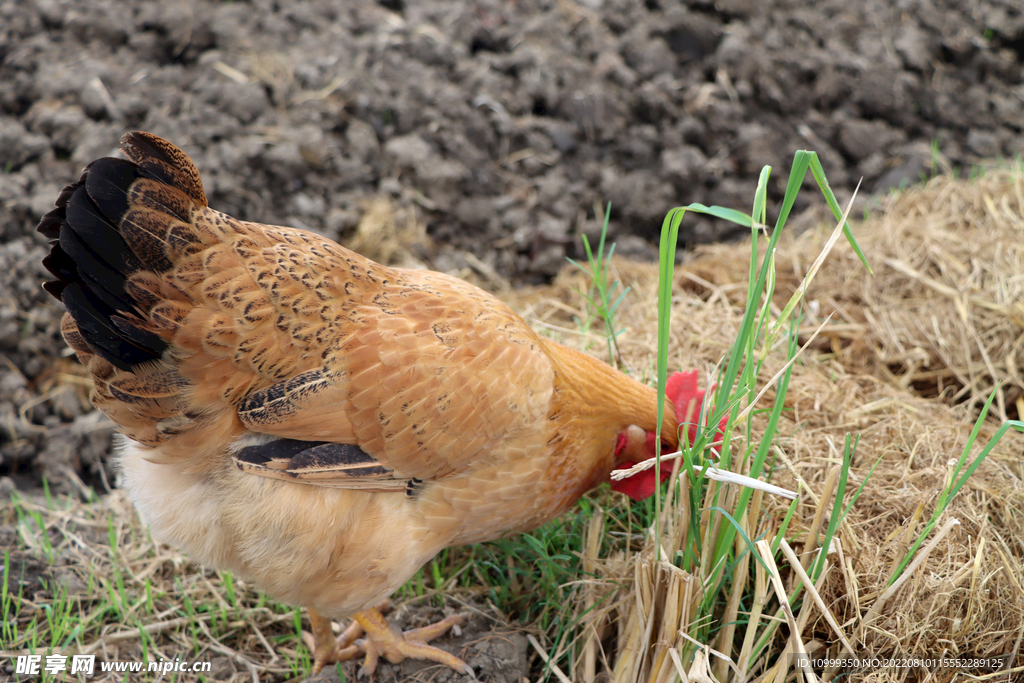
666	277
797	173
849	450
761	455
731	215
785	525
860	488
957	482
760	211
819	176
743	534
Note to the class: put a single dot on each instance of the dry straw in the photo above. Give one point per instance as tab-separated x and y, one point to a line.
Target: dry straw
945	313
909	357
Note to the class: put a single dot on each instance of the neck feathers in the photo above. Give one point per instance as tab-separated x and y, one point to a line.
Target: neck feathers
612	401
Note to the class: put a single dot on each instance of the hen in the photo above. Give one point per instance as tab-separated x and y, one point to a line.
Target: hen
317	423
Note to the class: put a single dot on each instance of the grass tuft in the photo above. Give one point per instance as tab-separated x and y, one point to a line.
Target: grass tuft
601	296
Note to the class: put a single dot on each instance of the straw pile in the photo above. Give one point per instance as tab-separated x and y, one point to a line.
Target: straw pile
908	358
944	314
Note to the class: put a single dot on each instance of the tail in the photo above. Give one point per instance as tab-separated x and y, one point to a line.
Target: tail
114	232
179	311
120	218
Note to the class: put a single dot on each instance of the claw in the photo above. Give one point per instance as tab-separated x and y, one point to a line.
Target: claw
395	646
325	647
381	639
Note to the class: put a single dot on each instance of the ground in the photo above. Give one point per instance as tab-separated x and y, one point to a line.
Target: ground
492	131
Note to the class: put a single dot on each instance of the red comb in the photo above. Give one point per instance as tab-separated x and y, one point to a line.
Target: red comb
682	390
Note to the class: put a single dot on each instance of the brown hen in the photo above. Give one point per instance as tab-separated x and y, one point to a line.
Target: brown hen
315	422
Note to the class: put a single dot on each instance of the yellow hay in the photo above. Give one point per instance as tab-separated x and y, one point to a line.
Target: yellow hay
909	357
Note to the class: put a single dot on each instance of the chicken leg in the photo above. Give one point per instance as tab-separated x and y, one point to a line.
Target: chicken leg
381	638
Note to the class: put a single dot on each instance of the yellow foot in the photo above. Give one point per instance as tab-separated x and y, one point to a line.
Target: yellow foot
382	639
325	647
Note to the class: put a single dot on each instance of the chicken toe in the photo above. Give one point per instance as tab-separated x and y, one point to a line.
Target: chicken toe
383	639
325	647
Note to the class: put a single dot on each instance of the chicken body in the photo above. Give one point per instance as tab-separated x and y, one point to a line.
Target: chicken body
315	422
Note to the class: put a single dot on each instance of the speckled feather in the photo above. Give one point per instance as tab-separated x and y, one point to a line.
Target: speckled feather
235	334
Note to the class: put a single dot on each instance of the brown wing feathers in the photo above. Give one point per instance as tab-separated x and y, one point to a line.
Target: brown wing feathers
165	163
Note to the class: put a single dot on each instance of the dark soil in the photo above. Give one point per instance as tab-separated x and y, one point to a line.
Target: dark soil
500	124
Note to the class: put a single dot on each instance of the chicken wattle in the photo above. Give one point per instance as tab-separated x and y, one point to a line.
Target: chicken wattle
688	401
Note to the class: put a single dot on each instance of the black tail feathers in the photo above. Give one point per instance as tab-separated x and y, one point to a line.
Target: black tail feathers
89	256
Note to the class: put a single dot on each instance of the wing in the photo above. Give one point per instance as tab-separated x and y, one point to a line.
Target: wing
431	374
318	462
